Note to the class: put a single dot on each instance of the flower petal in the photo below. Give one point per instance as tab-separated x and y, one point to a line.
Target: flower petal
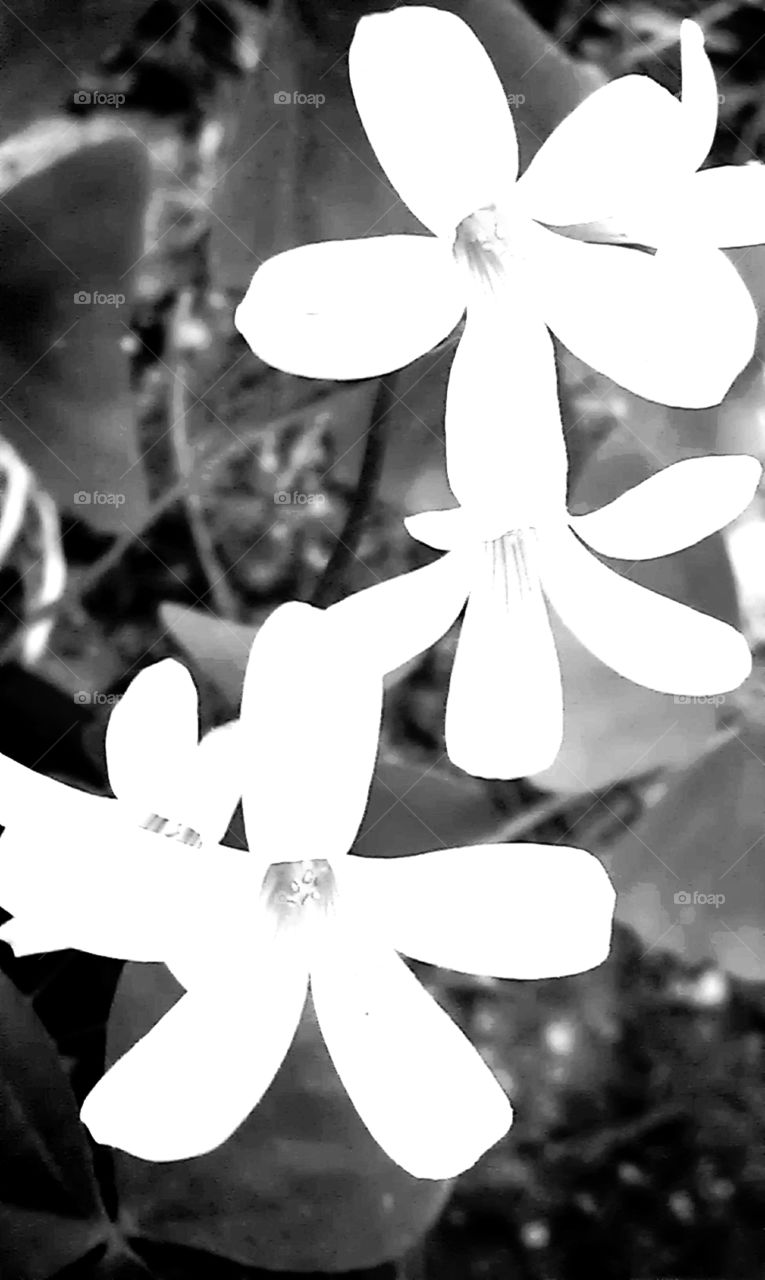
213	784
644	636
673	509
350	309
676	326
625	136
395	620
507	911
109	889
435	113
26	797
505	451
699	102
504	712
310	721
151	736
184	1088
444	530
725	206
420	1087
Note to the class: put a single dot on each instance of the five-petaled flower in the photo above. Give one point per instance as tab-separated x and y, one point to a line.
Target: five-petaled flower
245	932
525	256
504	710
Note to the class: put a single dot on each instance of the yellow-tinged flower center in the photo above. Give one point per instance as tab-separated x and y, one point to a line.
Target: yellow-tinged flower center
293	888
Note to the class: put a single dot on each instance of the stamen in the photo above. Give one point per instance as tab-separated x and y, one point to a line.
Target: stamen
172	830
480	246
511	561
288	886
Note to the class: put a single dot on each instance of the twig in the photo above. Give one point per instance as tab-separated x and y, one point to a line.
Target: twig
224	599
332	582
174	493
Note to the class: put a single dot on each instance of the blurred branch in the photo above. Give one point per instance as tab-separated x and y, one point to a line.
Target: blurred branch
224	599
332	582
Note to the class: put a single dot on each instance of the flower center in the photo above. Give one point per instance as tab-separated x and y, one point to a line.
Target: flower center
512	564
480	245
293	888
172	830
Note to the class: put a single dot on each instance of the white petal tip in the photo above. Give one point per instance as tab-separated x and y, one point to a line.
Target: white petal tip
749	467
22	939
501	763
691	31
443	1171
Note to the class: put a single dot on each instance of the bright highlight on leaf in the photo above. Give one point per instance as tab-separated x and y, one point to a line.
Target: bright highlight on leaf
246	933
675	326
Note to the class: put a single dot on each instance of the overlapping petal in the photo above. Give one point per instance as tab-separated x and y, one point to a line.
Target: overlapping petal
507	911
151	736
435	113
310	723
673	509
28	797
184	1088
676	326
625	136
505	452
214	781
504	711
699	102
395	620
349	309
450	528
420	1087
93	882
642	635
725	206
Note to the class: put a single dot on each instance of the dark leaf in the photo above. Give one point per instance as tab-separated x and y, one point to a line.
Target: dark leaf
50	1208
414	808
690	878
69	236
300	1186
217	647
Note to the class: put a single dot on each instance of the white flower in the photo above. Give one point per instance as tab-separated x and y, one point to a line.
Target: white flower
245	932
723	206
675	326
167	784
504	711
